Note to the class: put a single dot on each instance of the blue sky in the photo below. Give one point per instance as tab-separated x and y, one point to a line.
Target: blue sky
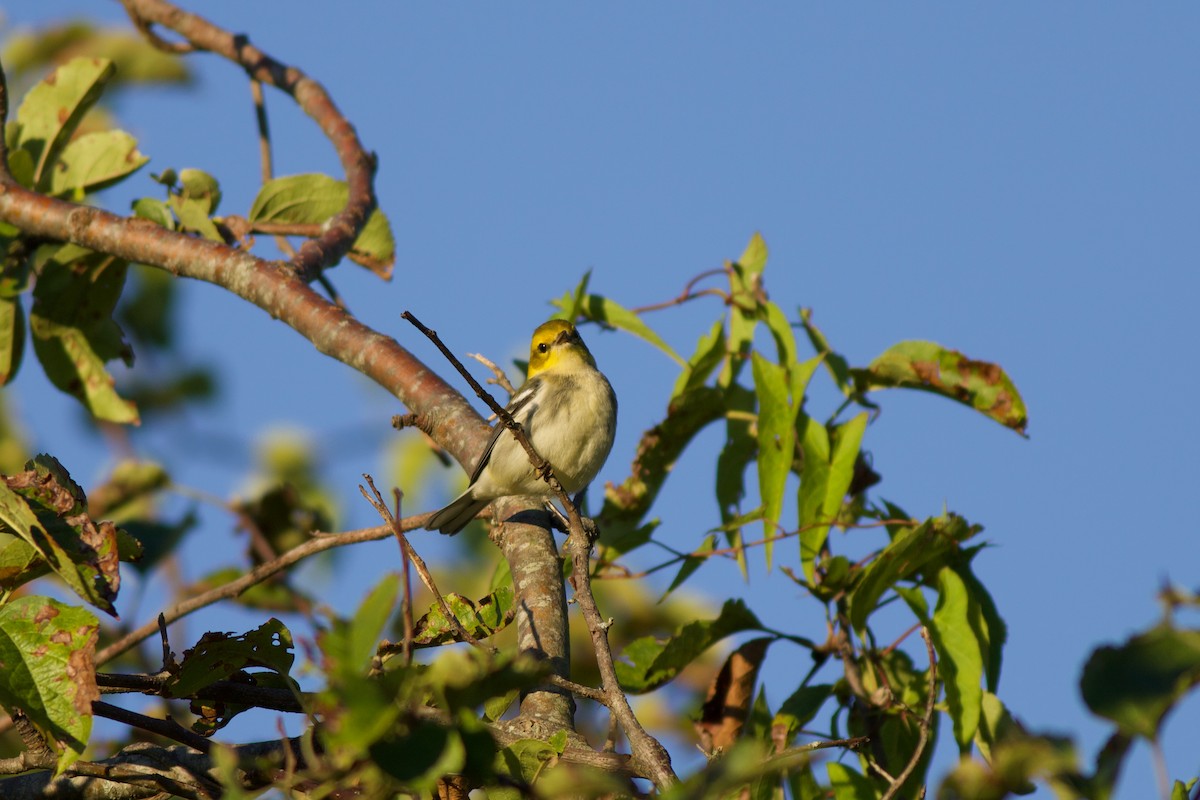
1017	181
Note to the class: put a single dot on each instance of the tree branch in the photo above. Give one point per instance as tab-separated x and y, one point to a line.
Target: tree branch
310	96
258	574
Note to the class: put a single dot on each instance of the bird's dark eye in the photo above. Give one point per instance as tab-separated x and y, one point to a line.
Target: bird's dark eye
543	348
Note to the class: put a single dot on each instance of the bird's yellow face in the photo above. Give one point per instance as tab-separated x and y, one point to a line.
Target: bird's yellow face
557	344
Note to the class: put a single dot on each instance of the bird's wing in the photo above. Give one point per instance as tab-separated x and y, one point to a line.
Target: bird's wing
515	406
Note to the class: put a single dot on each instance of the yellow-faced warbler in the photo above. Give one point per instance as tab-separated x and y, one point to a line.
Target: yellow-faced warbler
569	412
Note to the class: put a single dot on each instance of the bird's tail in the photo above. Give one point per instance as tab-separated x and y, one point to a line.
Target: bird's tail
454	517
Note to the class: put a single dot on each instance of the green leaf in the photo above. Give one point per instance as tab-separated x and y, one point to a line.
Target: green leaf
155	210
754	258
746	298
776	441
74	334
47	652
489	615
1135	684
738	451
930	367
198	185
1183	791
691	563
835	362
986	622
427	752
649	663
908	552
848	784
218	656
824	482
710	351
781	332
93	162
48	510
51	111
960	659
800	708
570	305
608	312
12	337
312	199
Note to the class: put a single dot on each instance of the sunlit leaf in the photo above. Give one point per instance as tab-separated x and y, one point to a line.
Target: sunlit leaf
776	441
94	161
710	350
312	199
482	618
48	649
828	472
959	652
908	552
648	663
930	367
52	110
609	312
47	510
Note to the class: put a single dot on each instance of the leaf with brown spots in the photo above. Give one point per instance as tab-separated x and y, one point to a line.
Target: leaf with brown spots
47	669
51	111
47	510
982	385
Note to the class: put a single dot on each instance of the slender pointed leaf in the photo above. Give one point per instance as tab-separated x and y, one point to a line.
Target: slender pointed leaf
960	658
648	663
776	442
609	312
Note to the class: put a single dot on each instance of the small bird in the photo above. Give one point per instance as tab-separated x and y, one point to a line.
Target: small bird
568	410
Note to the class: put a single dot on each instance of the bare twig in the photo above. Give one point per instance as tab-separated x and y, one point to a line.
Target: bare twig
649	757
540	465
418	562
687	293
264	151
251	578
926	722
501	378
341	230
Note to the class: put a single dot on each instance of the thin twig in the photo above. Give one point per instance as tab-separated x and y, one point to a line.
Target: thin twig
687	293
926	721
579	689
359	165
501	378
419	563
730	552
406	609
253	577
540	465
264	151
650	758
